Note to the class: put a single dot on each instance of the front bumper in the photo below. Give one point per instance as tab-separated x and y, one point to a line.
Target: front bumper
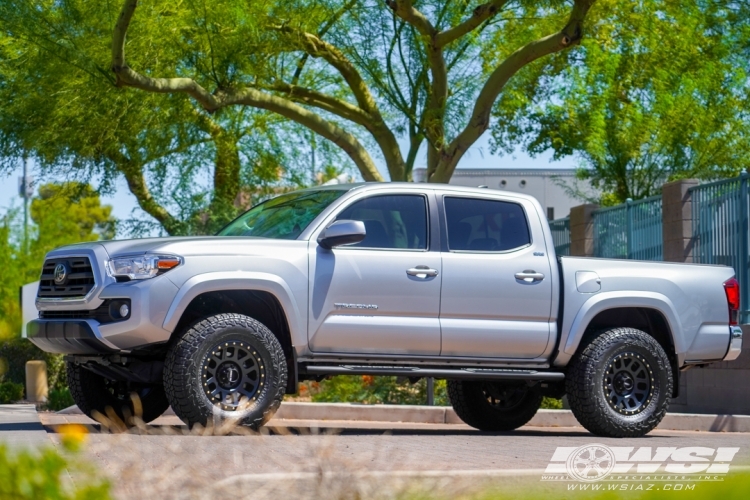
735	343
67	337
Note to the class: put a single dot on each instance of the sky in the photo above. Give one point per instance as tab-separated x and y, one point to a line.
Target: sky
123	202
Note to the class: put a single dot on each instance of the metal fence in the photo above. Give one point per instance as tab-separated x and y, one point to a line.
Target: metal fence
720	230
632	230
561	235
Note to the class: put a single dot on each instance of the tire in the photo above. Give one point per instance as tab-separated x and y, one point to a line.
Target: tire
619	384
226	367
494	406
95	395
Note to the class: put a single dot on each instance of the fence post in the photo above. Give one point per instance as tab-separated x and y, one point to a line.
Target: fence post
582	230
742	272
677	220
629	228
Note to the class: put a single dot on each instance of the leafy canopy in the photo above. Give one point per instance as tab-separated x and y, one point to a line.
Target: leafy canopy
657	91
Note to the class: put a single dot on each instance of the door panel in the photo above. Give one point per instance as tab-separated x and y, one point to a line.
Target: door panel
486	310
373	300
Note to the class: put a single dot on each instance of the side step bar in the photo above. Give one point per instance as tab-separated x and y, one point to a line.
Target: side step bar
447	373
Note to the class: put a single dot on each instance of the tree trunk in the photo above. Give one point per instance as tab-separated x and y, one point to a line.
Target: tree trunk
223	206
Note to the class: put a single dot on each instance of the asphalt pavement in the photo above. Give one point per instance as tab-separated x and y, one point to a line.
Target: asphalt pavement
167	459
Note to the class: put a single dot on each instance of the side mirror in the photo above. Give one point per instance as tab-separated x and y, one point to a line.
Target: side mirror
342	232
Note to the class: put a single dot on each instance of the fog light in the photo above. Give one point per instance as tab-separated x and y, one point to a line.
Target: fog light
124	310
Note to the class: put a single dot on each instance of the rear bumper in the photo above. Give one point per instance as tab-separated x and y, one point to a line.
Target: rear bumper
735	343
67	337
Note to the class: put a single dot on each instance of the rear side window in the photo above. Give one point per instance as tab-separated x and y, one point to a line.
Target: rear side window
391	221
485	225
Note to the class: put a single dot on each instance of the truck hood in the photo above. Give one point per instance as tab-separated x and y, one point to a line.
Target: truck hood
184	246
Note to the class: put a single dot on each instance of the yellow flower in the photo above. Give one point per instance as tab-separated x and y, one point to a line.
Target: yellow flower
72	435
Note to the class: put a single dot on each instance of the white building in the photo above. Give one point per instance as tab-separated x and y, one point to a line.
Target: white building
552	187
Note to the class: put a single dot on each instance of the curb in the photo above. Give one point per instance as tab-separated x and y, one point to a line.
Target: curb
446	415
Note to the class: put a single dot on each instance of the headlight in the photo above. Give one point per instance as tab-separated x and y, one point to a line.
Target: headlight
141	267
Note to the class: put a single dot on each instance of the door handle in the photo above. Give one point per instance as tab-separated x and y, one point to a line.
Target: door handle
422	272
529	276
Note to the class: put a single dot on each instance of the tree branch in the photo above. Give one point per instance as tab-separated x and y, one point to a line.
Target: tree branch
322	101
223	98
569	36
326	27
137	184
479	15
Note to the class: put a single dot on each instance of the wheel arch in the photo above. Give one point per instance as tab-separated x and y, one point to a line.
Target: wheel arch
266	299
652	314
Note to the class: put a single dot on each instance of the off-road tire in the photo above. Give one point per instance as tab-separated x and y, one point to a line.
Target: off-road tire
587	380
470	402
184	370
94	395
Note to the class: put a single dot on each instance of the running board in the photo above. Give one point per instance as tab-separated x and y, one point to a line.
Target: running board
454	373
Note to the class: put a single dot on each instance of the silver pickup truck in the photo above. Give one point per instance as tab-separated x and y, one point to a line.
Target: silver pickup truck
413	280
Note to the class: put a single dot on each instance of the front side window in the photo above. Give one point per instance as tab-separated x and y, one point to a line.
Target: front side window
393	221
485	225
283	217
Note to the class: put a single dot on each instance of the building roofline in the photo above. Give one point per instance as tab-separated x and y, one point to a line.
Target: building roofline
508	172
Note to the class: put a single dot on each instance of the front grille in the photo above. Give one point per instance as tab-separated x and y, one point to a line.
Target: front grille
78	282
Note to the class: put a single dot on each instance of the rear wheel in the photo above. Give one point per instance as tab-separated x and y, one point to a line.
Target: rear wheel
95	394
494	406
227	367
619	385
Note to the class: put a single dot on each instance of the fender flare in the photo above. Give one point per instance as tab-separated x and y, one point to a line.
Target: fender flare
236	280
624	299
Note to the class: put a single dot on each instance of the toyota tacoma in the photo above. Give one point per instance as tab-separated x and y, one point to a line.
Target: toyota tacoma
411	280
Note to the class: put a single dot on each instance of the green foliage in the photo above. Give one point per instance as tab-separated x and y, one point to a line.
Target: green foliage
70	213
10	392
657	91
373	390
46	474
59	399
15	352
185	167
551	404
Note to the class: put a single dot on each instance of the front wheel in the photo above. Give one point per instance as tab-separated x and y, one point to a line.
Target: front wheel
227	367
494	406
619	385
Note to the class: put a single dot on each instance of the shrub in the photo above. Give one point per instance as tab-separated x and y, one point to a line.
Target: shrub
551	404
10	392
59	399
45	474
373	390
17	351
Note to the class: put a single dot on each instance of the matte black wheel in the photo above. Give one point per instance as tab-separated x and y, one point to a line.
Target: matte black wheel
227	367
619	385
95	394
494	406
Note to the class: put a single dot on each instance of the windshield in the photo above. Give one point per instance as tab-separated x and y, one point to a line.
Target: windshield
283	217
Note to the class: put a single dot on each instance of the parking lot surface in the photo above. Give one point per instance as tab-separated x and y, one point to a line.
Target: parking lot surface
140	460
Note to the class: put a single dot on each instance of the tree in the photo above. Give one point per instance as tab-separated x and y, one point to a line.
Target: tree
658	91
354	72
61	106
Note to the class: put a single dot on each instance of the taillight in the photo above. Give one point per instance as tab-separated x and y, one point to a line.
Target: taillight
732	289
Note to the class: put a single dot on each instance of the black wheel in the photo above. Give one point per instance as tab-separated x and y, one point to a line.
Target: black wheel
494	406
619	385
227	367
95	394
